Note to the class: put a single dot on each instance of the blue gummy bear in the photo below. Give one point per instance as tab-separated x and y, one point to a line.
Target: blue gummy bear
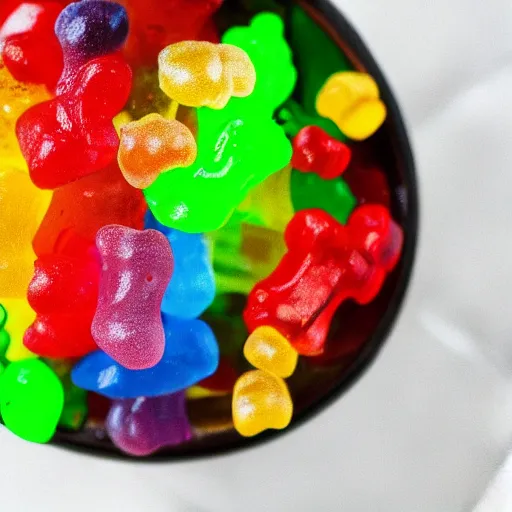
192	287
92	28
191	354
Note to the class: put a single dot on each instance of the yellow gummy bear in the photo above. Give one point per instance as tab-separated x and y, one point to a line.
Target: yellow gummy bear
15	98
267	349
270	203
19	317
199	73
22	207
352	101
260	401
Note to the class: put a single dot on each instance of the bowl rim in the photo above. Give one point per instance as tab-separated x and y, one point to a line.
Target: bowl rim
343	32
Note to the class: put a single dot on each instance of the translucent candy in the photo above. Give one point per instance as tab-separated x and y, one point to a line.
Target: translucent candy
31	400
268	350
191	354
198	73
20	317
22	207
260	401
154	145
141	426
137	267
351	100
15	98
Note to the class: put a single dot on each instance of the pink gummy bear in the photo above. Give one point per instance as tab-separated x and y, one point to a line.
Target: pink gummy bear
72	135
137	267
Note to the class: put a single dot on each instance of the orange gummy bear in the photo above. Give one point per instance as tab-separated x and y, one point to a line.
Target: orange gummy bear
198	73
154	145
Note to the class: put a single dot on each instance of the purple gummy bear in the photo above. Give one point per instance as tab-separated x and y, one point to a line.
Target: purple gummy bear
87	30
140	426
137	267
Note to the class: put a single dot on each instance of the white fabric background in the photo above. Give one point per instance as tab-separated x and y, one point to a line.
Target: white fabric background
429	425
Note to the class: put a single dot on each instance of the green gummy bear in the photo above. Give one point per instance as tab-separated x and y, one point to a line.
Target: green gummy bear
232	158
263	40
333	196
31	400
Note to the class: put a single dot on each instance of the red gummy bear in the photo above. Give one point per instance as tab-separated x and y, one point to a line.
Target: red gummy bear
156	24
87	205
224	378
31	51
63	293
314	150
326	263
72	135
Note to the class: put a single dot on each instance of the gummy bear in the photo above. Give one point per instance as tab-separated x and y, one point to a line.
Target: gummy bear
260	401
15	98
308	190
63	292
267	350
316	151
21	315
276	76
31	51
87	30
137	267
86	205
326	263
191	354
141	426
72	135
223	380
192	286
4	336
199	73
230	162
154	145
22	206
155	24
351	99
31	400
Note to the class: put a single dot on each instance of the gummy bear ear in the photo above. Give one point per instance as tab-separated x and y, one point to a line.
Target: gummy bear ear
102	87
269	24
311	227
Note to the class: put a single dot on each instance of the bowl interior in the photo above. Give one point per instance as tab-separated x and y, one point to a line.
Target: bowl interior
315	28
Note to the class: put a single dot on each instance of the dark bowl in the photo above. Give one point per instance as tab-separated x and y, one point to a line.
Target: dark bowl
358	332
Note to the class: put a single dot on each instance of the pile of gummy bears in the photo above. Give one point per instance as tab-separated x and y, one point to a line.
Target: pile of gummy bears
153	162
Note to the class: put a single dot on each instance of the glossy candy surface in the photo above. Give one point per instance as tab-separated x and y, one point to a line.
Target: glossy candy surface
260	401
20	317
192	286
86	205
87	30
199	73
15	98
154	145
72	135
267	350
137	267
141	426
31	400
352	101
63	292
22	206
30	49
230	162
191	354
316	151
326	263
